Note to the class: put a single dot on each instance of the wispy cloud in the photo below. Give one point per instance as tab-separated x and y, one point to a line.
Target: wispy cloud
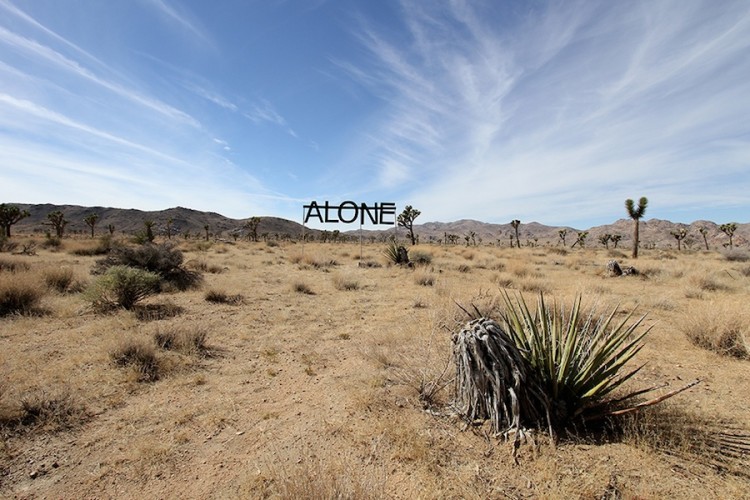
181	19
214	97
57	59
582	103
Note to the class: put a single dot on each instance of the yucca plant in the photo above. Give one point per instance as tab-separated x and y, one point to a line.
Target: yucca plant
396	253
576	358
551	367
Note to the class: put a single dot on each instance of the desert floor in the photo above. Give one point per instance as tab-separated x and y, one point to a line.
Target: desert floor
309	385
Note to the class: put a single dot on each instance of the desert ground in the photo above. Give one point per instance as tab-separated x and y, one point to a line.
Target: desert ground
321	371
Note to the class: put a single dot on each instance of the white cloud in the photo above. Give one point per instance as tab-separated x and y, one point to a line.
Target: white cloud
576	105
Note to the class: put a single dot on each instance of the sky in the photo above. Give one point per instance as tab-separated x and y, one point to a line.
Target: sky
546	111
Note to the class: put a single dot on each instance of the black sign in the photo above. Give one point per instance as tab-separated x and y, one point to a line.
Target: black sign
349	212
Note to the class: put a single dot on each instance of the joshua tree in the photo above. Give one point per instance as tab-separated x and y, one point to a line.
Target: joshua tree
636	214
729	229
252	228
615	239
562	233
580	239
206	227
170	221
406	220
9	215
149	224
111	229
91	220
679	235
605	239
515	223
704	233
57	221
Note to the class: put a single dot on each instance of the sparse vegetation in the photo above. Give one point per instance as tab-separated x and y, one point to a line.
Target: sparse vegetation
19	293
364	374
222	297
138	355
122	286
722	331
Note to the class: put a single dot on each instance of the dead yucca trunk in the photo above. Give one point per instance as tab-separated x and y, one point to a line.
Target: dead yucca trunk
494	381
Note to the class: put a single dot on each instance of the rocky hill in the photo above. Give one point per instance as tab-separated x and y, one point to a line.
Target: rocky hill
653	232
130	221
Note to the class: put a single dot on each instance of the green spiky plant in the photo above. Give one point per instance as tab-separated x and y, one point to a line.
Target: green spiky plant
552	366
577	358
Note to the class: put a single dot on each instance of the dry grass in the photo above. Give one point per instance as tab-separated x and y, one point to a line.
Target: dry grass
223	297
20	292
292	395
720	329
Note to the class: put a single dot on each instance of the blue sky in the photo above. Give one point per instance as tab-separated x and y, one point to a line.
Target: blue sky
554	112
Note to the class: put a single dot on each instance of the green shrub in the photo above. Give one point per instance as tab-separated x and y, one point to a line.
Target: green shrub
164	259
395	253
555	367
122	286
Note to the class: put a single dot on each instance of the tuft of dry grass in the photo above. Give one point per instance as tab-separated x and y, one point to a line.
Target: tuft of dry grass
13	265
424	278
20	293
302	287
222	297
42	410
345	283
62	280
138	355
721	330
188	339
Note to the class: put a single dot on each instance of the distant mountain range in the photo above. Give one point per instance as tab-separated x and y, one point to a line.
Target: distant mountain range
653	232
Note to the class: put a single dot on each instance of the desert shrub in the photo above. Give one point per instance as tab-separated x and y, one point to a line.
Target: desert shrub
48	411
6	244
302	287
102	247
19	294
420	258
52	243
369	264
424	279
395	253
463	268
745	271
534	285
570	364
61	279
345	283
12	265
122	286
164	260
154	312
722	332
736	255
708	283
187	339
222	297
138	355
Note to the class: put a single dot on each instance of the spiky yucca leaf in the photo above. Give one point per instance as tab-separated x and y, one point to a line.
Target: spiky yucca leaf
576	358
